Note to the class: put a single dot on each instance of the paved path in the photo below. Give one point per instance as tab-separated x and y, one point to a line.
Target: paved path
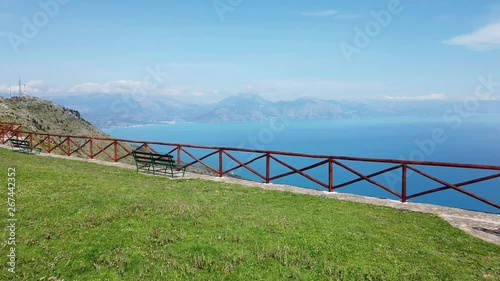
482	225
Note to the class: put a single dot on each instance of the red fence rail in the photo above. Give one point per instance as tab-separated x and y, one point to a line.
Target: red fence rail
10	130
121	149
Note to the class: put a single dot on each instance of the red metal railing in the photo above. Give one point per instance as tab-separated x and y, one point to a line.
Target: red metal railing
120	149
10	130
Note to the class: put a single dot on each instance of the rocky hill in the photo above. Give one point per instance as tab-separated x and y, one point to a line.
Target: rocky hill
39	115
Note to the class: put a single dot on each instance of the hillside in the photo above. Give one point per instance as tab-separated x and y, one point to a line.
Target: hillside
39	115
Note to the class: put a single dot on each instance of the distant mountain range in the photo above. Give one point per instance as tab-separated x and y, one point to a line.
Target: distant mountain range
108	110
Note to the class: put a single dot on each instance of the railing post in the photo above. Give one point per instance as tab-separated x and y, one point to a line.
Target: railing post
403	184
91	148
116	151
48	141
31	140
268	167
330	174
145	147
220	163
68	144
179	154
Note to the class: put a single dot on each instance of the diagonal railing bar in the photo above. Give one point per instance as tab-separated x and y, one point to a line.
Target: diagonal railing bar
368	176
5	136
199	160
295	171
122	157
10	130
124	148
128	152
367	179
484	200
140	147
457	184
24	139
80	147
151	148
58	145
172	150
299	171
39	142
245	165
103	150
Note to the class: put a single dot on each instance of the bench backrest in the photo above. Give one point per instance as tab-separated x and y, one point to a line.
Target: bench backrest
165	159
141	157
149	157
17	143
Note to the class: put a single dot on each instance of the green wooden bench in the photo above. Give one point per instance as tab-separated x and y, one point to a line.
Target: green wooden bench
23	146
164	163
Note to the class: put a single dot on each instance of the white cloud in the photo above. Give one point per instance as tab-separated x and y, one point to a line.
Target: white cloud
348	16
328	13
322	13
270	89
485	38
33	87
4	88
131	87
113	87
436	96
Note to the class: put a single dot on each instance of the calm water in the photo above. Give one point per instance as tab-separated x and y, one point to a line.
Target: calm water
474	140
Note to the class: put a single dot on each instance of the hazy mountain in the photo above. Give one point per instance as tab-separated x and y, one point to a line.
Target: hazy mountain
253	107
245	107
105	110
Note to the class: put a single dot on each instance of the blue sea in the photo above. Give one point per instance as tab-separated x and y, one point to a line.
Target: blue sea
471	139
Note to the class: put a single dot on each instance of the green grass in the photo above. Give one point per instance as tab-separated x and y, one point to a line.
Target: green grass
83	221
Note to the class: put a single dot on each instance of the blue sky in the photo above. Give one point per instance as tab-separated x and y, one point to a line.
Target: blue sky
206	49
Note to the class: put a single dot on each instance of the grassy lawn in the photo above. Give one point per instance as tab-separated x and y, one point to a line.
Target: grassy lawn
83	221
